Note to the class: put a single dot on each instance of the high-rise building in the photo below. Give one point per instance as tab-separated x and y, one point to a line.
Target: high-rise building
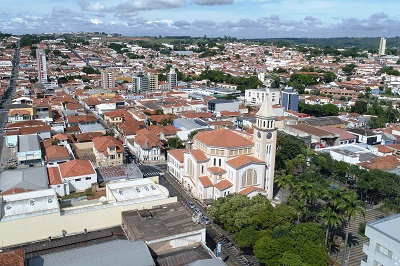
41	65
290	100
382	46
172	78
140	82
153	81
107	79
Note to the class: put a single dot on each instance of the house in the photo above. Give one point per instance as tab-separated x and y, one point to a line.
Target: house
108	151
56	154
28	179
175	163
29	151
318	138
74	175
147	146
366	136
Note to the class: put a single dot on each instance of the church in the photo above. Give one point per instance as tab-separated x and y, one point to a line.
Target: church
224	161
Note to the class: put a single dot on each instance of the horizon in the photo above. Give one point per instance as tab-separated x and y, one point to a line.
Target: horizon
249	19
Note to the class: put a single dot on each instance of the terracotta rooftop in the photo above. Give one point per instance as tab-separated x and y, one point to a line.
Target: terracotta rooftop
384	149
13	258
250	189
103	142
344	134
224	138
243	160
383	163
198	155
224	184
54	175
76	168
56	152
215	170
205	181
177	154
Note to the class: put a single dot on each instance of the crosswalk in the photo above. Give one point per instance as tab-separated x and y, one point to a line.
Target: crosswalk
147	174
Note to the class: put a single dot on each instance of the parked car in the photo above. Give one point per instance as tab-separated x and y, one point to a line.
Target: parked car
205	220
191	205
197	212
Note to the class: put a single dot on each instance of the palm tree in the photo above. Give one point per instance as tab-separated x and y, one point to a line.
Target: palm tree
331	220
351	206
284	181
299	208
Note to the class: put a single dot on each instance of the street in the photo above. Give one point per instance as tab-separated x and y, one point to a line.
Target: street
230	254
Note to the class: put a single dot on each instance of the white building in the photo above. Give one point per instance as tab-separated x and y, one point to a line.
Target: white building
255	97
382	46
226	161
41	66
172	78
384	242
33	216
75	175
107	79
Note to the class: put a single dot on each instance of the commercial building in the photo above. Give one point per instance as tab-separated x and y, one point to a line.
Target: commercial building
384	242
37	215
255	97
290	100
41	66
382	46
140	82
107	79
172	78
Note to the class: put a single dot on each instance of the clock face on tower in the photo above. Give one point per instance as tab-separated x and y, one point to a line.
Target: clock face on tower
259	134
269	135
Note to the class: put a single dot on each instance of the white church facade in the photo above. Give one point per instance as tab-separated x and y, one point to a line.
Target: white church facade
224	161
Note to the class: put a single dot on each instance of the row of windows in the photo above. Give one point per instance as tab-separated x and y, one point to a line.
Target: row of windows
80	179
265	124
240	151
384	251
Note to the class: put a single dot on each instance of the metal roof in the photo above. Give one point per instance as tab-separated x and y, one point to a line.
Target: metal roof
208	262
32	178
388	226
117	252
28	143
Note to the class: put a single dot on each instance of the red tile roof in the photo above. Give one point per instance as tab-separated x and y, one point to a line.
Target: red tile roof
384	149
177	154
224	184
248	190
103	142
76	168
243	160
54	175
56	152
225	138
205	181
13	258
216	170
198	155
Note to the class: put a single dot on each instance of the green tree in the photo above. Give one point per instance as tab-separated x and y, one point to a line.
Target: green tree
174	143
351	207
349	69
329	110
359	107
284	181
331	220
192	134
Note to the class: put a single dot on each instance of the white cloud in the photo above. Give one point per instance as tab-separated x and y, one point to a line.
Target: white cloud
213	2
96	21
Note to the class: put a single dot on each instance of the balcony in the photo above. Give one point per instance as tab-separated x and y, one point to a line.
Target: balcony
364	261
365	248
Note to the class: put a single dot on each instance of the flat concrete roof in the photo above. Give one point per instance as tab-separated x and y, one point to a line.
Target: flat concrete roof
169	220
139	190
388	226
27	204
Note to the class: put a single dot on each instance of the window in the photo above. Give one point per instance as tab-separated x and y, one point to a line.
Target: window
249	178
202	169
112	157
219	162
88	178
215	161
77	180
384	251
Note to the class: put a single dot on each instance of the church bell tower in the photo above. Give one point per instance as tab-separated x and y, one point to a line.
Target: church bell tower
265	136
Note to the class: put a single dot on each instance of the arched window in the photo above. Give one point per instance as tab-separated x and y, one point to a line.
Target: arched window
249	178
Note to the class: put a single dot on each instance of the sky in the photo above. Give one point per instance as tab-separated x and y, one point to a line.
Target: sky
213	18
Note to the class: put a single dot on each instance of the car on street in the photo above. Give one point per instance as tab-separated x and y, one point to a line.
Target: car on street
191	205
205	220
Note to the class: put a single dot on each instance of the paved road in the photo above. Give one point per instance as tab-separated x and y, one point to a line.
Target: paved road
9	94
230	253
